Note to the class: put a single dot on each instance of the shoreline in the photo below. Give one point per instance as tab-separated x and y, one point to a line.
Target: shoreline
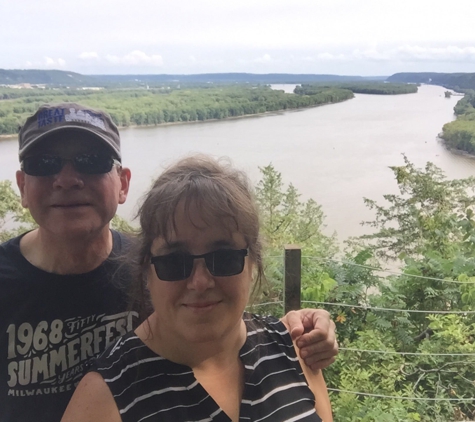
455	151
244	116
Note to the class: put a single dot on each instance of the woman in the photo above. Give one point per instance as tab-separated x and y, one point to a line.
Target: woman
199	356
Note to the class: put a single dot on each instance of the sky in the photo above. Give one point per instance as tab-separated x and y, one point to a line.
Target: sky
345	37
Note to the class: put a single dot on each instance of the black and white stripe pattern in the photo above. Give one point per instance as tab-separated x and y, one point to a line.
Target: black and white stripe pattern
147	387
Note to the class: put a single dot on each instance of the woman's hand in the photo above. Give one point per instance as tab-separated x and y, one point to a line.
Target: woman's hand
313	332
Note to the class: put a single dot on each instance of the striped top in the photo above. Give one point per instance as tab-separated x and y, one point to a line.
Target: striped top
147	387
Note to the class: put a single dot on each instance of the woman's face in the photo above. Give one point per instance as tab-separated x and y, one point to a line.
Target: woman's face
202	307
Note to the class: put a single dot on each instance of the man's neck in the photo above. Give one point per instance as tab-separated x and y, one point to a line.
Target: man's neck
65	255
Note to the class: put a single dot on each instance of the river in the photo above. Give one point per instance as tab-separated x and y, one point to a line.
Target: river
336	154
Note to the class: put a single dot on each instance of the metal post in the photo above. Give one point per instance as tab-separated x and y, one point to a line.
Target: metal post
292	277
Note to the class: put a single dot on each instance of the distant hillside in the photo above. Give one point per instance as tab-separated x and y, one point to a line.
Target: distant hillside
457	81
72	79
270	78
48	77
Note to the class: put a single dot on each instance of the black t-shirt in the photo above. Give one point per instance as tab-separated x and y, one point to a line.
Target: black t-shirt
50	326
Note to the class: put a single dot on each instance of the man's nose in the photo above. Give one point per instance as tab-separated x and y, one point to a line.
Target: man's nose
68	178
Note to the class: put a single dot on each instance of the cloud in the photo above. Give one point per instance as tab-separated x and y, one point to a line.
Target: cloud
52	63
266	58
87	55
438	54
327	57
136	58
47	63
372	54
404	53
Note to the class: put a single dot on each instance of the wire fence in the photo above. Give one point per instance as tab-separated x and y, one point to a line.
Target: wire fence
378	269
328	306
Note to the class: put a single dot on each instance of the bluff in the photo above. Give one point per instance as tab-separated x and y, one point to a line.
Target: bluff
456	81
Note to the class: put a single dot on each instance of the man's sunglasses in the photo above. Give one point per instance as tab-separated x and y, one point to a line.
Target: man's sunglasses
48	165
179	266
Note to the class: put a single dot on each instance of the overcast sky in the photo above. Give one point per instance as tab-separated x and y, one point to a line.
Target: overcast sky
347	37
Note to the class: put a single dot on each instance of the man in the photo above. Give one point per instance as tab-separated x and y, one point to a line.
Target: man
62	289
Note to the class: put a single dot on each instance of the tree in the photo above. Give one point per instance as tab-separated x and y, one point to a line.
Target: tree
428	229
428	214
14	219
285	219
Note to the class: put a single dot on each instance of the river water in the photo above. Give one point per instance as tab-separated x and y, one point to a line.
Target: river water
336	154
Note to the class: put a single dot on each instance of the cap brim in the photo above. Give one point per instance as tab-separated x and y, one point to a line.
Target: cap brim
73	127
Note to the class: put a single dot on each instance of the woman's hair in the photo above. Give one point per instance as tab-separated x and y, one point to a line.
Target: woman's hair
219	193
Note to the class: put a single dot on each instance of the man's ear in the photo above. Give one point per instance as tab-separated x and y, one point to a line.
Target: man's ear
124	176
20	181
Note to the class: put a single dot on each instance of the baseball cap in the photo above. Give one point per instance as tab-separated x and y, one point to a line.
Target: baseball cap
53	118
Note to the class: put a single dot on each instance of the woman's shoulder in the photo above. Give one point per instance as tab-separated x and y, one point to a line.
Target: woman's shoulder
124	351
264	323
267	330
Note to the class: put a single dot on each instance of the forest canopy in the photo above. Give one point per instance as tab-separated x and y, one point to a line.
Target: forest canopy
163	105
460	134
375	88
174	104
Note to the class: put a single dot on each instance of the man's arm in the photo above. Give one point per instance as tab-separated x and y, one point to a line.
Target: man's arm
313	332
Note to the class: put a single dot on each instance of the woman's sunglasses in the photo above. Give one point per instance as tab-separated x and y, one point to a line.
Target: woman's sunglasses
48	165
179	266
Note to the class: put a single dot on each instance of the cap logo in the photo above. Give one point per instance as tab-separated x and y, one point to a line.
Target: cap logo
48	117
57	115
53	118
85	116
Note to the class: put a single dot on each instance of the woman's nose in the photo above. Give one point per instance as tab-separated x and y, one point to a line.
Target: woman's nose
200	279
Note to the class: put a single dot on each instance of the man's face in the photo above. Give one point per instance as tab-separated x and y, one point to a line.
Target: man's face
69	203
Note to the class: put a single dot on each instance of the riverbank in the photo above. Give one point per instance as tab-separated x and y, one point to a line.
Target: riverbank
228	118
460	134
153	107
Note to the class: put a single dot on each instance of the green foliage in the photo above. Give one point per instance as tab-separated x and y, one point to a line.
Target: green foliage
120	224
41	77
377	88
162	105
460	134
14	219
429	214
456	81
428	229
286	220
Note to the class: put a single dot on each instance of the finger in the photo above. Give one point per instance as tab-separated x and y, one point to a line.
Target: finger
318	358
323	331
315	343
321	364
293	322
320	350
